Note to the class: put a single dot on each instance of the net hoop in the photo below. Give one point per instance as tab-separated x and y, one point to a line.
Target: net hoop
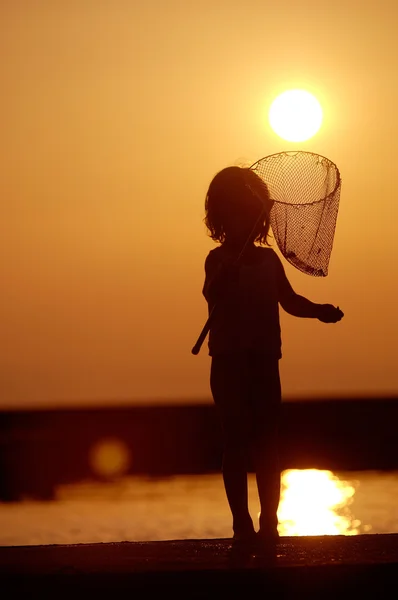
305	190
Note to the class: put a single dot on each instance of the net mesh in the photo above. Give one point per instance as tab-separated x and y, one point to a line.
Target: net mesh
305	188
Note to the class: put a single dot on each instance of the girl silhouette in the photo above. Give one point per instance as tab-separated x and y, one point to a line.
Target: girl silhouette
245	289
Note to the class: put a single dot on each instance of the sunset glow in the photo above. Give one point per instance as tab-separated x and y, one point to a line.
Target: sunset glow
295	115
316	502
117	116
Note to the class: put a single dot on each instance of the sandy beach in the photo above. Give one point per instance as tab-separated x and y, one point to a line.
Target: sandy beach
303	567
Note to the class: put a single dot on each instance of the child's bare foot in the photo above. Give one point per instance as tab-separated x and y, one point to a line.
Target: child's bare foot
245	538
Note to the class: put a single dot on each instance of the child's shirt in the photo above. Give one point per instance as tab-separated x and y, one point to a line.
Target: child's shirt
248	317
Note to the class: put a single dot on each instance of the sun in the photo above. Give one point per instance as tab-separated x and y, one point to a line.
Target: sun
295	115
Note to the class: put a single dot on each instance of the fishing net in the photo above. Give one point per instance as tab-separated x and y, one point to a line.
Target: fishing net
305	188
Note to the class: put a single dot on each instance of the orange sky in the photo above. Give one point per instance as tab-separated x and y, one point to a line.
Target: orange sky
115	116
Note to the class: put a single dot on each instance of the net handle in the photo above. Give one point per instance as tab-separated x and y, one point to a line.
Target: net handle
206	328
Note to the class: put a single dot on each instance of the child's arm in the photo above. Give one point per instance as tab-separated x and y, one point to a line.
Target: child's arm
298	306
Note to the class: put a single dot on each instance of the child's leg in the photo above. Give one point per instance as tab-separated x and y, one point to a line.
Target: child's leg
229	386
266	401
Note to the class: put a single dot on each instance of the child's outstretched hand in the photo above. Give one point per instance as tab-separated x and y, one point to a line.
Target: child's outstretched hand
329	313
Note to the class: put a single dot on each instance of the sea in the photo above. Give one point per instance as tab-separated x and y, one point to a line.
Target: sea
143	508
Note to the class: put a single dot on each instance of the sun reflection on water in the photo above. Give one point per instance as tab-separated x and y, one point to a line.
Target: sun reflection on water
315	502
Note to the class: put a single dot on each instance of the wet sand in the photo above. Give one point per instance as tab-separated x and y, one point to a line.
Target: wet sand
304	567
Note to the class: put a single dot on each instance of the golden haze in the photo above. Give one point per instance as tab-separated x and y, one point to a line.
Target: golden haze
115	118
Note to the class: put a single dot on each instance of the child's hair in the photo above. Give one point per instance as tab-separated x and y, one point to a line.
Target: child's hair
231	189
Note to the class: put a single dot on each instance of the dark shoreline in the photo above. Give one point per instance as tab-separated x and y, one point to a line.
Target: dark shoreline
305	567
45	448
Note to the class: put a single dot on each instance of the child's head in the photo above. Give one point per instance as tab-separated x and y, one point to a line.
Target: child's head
236	198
